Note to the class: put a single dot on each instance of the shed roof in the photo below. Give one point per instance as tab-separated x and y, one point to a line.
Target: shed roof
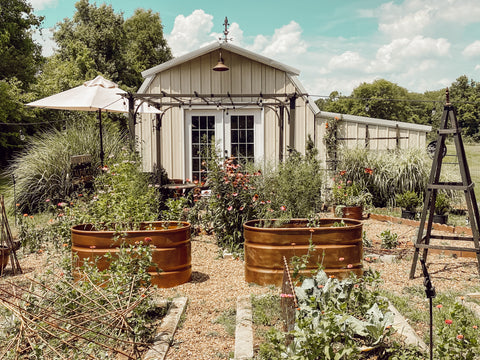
217	46
374	121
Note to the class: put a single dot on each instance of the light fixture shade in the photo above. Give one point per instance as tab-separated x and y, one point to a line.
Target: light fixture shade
220	66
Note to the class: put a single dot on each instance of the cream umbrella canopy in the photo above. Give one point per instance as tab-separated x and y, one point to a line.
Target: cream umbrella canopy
94	95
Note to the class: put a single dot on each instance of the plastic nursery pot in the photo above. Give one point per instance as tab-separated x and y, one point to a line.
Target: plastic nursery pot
406	214
338	249
171	252
440	219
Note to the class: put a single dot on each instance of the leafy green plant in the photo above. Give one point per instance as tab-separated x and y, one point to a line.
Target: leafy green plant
122	199
409	200
345	192
442	204
389	239
334	320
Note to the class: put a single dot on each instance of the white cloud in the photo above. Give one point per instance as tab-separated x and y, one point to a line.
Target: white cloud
347	60
413	17
477	68
191	32
406	53
472	50
43	4
286	41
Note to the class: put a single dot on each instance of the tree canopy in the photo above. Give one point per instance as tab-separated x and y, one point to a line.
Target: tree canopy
383	99
20	60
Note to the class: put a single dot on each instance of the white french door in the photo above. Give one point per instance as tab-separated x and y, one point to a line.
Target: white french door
237	133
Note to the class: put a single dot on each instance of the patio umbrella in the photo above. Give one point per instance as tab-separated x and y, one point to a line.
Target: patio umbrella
94	95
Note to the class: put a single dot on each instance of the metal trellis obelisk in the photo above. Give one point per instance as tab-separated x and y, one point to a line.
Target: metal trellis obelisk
448	127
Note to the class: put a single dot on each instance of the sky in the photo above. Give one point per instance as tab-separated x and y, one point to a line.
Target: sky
420	45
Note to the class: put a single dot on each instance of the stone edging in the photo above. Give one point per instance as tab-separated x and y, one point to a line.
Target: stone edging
166	330
459	230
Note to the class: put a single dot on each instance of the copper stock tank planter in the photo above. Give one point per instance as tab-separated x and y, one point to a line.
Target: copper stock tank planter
338	248
171	252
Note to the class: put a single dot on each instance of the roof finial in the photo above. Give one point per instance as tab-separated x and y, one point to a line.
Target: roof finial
225	32
447	95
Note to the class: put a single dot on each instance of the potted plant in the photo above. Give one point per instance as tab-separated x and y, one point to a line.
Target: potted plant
349	198
442	207
123	212
408	201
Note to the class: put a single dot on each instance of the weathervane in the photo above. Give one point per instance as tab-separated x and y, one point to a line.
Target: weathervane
225	32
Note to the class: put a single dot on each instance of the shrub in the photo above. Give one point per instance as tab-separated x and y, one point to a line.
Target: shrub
442	204
123	196
241	192
409	200
42	170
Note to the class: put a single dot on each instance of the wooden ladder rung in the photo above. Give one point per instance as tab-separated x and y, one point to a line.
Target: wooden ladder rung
442	247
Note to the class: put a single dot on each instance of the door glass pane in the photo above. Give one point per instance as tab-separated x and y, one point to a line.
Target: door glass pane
242	137
203	131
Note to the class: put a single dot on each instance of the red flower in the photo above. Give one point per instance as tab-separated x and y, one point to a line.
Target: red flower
475	327
283	208
148	239
439	306
343	172
368	171
459	337
448	322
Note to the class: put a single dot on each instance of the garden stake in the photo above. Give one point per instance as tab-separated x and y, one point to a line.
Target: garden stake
430	292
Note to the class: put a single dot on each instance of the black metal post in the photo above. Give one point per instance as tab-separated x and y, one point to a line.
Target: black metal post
102	154
430	292
14	199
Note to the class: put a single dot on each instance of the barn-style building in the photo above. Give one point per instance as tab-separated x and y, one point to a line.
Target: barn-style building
255	107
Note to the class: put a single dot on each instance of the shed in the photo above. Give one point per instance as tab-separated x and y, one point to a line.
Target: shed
255	111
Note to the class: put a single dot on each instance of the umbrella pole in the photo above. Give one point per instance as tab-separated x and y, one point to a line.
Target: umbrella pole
101	137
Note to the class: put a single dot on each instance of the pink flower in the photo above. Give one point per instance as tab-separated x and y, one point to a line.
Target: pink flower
286	295
230	208
341	259
283	208
459	337
47	200
475	327
235	194
241	208
448	322
349	266
148	239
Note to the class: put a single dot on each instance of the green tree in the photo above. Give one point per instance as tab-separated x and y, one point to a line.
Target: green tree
383	99
20	61
465	95
146	46
93	42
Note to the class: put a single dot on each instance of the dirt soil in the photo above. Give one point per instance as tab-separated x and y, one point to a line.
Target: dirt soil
217	282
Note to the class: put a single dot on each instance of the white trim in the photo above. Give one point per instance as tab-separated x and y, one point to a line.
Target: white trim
217	46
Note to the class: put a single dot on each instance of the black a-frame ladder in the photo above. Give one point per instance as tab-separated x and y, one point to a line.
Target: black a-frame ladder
448	127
